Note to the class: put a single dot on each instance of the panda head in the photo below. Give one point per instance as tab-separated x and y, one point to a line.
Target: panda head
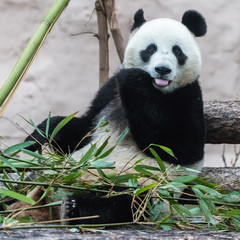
166	49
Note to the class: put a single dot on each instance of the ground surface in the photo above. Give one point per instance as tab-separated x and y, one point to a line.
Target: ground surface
117	234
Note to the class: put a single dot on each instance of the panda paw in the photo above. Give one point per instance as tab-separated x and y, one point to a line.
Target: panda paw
69	209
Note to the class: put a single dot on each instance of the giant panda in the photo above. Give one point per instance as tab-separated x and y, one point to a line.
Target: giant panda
156	94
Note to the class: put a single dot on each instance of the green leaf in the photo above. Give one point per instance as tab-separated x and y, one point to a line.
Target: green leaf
17	196
101	173
106	153
185	179
102	164
124	178
18	147
149	167
156	210
232	212
205	208
45	192
100	149
209	191
7	163
123	135
181	211
47	124
159	160
165	149
33	154
141	169
37	129
88	155
61	125
102	122
144	189
71	177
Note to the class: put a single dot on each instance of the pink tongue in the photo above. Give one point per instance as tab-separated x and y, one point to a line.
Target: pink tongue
161	82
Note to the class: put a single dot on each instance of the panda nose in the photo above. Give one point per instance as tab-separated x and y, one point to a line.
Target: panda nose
163	70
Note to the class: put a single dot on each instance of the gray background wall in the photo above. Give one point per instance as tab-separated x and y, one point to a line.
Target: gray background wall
64	77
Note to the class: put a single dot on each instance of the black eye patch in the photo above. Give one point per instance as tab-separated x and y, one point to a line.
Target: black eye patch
181	57
148	52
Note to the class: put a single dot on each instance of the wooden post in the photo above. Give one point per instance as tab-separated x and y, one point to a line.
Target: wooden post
110	9
103	42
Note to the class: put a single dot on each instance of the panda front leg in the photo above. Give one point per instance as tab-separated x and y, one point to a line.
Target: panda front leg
94	209
67	139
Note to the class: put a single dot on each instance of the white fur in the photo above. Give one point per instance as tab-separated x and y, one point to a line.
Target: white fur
125	154
165	33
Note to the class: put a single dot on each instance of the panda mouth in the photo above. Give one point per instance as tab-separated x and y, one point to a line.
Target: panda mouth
159	82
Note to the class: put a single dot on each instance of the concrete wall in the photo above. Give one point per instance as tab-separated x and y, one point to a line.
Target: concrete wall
64	77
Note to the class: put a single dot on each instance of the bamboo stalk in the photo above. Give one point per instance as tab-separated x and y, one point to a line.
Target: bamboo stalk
31	49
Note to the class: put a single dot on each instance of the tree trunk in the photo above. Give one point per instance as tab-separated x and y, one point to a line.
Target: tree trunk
223	122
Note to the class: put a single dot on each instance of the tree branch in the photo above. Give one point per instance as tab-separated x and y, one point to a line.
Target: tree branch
103	43
223	122
110	9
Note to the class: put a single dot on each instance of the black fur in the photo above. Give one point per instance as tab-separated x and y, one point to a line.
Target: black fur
181	57
148	52
69	137
195	22
114	209
174	120
139	20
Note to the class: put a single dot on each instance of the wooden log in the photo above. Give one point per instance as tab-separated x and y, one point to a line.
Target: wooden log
103	43
123	233
223	122
227	177
110	9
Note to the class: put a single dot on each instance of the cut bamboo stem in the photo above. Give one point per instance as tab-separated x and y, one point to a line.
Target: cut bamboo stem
31	49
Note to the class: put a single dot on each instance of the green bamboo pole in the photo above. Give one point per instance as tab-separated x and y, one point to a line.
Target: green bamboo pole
31	48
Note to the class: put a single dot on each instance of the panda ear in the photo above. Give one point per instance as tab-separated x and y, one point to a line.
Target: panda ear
139	19
195	22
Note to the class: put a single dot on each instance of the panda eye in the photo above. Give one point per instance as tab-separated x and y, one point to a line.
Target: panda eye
181	57
151	50
177	50
148	52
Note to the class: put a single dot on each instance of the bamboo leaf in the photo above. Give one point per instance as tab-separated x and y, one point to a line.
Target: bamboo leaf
17	196
102	164
185	179
181	211
141	169
7	163
18	147
165	149
60	125
106	153
101	148
124	178
48	124
33	154
37	129
159	160
123	135
144	189
88	155
209	191
204	207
